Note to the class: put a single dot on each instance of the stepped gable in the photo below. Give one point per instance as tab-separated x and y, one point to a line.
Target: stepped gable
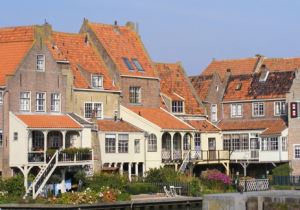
124	42
176	86
83	58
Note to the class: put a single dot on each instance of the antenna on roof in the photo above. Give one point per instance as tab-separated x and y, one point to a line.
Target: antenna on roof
45	21
116	23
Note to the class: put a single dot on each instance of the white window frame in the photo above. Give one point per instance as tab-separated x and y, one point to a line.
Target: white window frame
53	104
123	144
137	146
1	97
284	143
214	114
45	102
258	107
24	99
93	107
294	151
197	141
235	110
110	148
136	98
152	143
99	81
282	104
15	136
43	66
177	107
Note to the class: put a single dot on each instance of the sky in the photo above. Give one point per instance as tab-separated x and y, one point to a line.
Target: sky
192	31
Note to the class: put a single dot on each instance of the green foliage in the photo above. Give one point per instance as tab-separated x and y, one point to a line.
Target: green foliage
74	150
54	179
141	188
162	175
80	175
195	187
98	181
124	196
282	170
14	186
282	187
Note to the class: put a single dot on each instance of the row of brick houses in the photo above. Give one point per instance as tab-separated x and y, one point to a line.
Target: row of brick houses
98	93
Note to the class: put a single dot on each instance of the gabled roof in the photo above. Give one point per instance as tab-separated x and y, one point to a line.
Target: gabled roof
121	41
282	64
202	85
174	83
270	126
82	56
48	121
236	66
161	118
15	42
203	125
116	126
276	86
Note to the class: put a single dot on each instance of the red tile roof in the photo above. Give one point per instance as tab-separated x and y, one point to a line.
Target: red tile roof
236	66
161	118
72	47
174	82
116	126
276	86
49	121
202	85
203	125
121	41
271	126
15	42
282	64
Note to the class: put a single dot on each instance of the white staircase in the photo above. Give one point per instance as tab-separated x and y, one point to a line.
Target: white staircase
186	160
43	176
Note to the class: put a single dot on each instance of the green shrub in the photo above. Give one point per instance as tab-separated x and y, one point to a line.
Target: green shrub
282	170
195	187
14	186
141	188
162	175
98	181
123	197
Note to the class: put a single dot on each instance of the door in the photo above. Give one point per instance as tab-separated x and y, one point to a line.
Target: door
212	148
254	148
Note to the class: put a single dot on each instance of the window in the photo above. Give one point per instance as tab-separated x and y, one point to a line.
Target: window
244	139
37	139
93	109
135	95
128	63
214	112
97	81
235	142
294	109
110	143
226	142
15	136
270	144
279	108
40	102
284	143
236	110
1	138
1	97
197	140
123	143
137	64
186	142
177	106
152	143
40	62
25	101
55	102
55	140
297	151
258	109
137	146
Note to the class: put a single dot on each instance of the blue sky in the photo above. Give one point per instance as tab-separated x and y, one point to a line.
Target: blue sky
192	31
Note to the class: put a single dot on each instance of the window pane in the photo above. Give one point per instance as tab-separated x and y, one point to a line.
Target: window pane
152	143
137	64
128	63
135	95
55	102
25	101
40	62
123	143
88	110
110	143
40	102
97	81
137	145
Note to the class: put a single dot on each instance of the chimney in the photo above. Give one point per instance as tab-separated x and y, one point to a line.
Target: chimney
116	23
131	25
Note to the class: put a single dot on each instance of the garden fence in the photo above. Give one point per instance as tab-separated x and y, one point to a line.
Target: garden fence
286	180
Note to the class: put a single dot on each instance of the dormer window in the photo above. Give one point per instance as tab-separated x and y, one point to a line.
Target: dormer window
137	64
128	63
40	62
177	106
264	75
97	81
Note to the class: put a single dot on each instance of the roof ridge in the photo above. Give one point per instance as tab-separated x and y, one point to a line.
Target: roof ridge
234	59
14	27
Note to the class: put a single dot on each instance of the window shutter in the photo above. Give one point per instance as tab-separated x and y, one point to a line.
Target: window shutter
294	110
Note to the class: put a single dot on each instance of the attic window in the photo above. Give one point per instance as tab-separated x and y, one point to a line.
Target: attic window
177	106
97	81
128	63
137	64
40	62
238	86
264	76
